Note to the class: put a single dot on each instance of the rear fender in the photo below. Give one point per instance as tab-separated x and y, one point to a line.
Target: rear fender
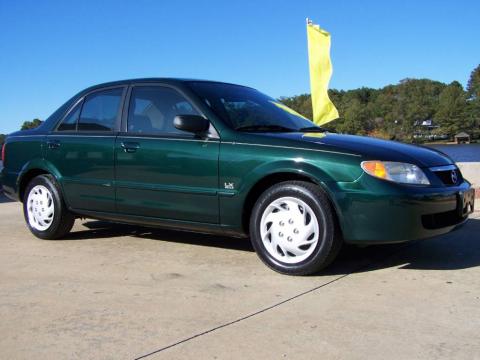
35	165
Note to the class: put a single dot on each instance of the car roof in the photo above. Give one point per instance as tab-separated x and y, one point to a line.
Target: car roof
165	80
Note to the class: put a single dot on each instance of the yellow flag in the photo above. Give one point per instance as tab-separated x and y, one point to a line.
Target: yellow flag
320	72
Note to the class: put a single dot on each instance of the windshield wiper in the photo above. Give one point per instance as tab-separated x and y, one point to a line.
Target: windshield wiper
265	128
312	129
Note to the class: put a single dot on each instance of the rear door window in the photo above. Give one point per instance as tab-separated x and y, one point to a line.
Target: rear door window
100	110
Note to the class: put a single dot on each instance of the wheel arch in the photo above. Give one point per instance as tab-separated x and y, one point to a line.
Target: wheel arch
275	178
31	170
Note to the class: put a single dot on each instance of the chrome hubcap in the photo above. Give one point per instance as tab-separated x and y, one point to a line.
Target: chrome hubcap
289	230
40	208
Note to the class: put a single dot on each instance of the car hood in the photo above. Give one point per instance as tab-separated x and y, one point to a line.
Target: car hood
369	148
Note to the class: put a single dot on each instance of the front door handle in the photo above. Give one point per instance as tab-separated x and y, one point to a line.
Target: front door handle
53	144
130	147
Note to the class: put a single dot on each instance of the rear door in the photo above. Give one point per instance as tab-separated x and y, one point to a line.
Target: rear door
82	150
163	172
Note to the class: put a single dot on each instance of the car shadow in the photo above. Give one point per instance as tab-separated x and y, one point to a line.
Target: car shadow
3	198
459	249
103	229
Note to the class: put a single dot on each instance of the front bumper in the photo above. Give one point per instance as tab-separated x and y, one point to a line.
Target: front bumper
375	211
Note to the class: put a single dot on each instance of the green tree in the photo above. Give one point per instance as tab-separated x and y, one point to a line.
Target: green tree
473	107
452	106
31	124
2	138
393	111
416	101
473	85
356	118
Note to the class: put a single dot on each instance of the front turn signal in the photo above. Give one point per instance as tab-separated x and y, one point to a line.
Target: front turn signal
375	168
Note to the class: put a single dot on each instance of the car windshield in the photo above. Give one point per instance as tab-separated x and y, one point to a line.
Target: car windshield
246	109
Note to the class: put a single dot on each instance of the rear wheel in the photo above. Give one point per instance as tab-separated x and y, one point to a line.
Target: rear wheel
45	212
293	230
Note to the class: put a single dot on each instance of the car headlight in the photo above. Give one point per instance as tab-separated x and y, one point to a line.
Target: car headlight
398	172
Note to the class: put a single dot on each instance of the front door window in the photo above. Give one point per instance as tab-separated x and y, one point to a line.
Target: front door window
153	108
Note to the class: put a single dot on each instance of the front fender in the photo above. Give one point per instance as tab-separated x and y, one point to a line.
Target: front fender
292	166
233	201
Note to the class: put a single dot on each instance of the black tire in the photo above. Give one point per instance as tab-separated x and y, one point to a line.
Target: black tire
329	239
62	220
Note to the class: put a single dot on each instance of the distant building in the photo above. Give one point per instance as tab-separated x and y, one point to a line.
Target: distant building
462	138
425	125
423	130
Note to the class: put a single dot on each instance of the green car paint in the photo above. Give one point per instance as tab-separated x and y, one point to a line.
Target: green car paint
210	183
166	172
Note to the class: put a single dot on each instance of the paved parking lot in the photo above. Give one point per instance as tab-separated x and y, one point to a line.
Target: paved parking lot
124	292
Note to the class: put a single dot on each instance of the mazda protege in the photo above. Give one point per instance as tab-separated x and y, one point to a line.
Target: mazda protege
220	158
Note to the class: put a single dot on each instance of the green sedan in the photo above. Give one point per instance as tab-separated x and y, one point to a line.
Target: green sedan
220	158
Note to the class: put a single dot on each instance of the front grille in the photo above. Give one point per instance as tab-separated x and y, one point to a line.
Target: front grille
449	176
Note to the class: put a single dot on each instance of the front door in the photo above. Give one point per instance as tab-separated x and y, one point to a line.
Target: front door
82	150
160	171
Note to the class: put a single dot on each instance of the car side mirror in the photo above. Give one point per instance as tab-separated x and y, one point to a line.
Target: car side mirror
191	123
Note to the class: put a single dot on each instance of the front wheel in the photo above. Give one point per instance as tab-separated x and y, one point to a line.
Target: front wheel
45	212
293	230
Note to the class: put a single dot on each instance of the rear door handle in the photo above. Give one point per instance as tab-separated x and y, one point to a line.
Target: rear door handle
130	147
53	144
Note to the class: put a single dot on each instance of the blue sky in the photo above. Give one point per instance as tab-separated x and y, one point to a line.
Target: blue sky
49	50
